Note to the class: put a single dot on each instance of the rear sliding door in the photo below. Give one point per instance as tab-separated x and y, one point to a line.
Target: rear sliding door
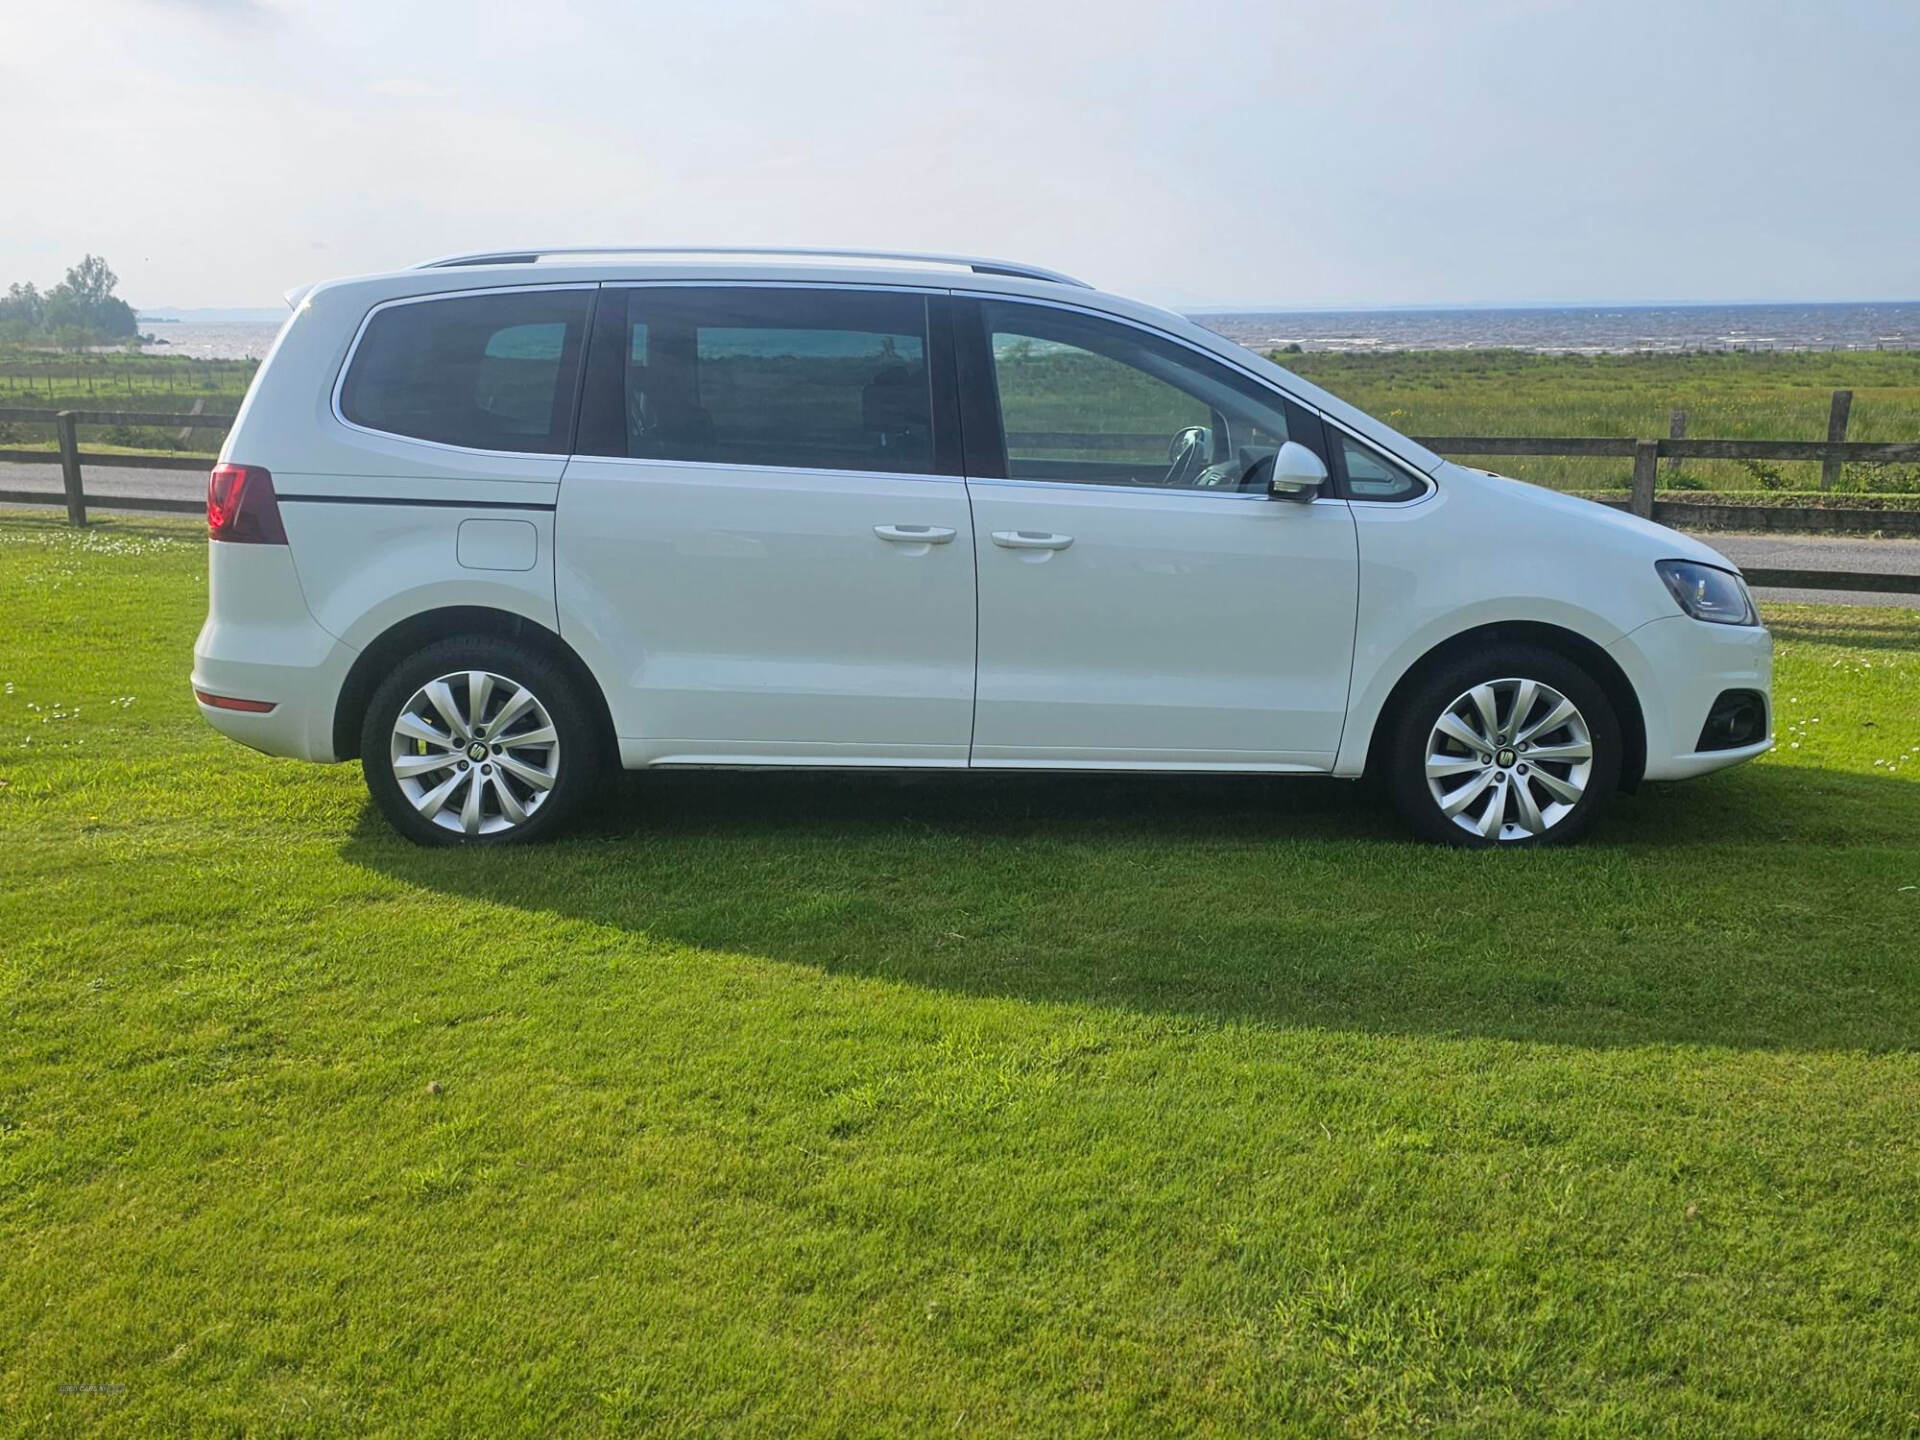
764	543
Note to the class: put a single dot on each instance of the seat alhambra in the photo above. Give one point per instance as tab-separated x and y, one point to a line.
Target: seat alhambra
499	522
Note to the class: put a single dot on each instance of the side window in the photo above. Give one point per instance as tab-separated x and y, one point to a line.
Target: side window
1371	476
490	372
812	379
1095	402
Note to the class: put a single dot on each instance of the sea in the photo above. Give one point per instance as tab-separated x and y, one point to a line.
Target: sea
1578	330
1583	330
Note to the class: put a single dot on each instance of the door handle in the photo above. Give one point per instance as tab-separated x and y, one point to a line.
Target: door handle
915	534
1030	540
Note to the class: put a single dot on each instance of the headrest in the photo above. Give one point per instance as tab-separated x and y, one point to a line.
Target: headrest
895	400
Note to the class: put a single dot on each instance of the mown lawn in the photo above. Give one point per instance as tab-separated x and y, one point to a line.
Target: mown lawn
847	1106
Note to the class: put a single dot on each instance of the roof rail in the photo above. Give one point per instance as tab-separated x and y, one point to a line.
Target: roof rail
978	266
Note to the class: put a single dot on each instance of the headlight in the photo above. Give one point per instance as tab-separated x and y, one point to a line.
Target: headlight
1707	593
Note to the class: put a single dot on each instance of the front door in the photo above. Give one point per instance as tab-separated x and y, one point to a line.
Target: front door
1143	603
763	533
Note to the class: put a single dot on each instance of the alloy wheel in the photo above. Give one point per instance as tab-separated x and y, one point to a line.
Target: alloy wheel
475	752
1509	759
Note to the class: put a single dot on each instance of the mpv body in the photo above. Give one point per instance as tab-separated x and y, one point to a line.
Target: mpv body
495	523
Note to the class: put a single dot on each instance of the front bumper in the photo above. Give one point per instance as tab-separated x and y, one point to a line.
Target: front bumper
1678	667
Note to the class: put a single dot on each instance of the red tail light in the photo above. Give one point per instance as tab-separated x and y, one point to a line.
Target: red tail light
241	507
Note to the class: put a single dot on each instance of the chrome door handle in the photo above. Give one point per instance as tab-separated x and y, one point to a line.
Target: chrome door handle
1030	540
915	534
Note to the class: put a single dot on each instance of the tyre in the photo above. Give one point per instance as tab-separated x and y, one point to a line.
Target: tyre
1512	746
479	741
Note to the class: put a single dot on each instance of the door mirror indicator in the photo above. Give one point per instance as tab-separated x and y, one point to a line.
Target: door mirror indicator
1298	473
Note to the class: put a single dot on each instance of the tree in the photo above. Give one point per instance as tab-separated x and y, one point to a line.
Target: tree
91	281
22	313
85	301
82	309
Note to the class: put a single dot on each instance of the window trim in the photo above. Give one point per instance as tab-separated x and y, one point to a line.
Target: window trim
579	370
941	380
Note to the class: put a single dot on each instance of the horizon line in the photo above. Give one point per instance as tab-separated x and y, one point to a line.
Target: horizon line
163	312
1438	307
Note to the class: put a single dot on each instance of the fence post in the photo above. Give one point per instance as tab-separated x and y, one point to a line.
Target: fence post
186	434
1837	415
1676	430
1646	461
70	469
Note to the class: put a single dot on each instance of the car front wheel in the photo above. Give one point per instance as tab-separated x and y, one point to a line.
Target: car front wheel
1515	745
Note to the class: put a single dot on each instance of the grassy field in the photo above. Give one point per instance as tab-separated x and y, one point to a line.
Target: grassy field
1496	392
38	380
848	1106
1726	397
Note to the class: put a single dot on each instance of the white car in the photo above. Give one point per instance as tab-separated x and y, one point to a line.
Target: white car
497	522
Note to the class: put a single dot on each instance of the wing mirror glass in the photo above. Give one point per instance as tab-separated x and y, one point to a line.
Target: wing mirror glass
1298	473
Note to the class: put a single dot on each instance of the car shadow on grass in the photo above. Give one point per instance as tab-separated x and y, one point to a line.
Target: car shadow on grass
1758	908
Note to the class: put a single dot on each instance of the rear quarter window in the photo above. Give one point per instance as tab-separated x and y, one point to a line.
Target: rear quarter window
488	372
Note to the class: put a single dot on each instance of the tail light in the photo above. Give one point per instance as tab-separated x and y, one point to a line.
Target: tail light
241	507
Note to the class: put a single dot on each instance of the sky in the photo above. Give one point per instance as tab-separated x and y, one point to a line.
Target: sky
1284	153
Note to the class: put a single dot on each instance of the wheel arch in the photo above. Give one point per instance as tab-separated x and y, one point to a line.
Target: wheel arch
1591	657
415	632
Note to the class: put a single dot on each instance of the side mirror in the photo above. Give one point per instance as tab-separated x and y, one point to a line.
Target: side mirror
1298	473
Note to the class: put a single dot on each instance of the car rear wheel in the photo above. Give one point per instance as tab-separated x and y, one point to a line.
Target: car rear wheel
1513	746
478	741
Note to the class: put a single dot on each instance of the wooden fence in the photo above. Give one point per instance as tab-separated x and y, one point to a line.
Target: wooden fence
1645	454
65	423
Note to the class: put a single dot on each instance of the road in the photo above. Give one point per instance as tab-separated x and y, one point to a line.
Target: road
1822	552
103	480
1781	552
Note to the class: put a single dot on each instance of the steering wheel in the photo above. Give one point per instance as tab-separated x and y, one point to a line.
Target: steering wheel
1186	455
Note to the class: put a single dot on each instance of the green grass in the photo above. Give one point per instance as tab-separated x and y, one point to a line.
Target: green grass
849	1106
37	379
1489	392
1509	392
1726	397
169	384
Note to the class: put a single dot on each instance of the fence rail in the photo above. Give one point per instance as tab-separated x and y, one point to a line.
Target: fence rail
1646	455
1847	451
1614	447
163	504
169	419
65	424
1865	581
